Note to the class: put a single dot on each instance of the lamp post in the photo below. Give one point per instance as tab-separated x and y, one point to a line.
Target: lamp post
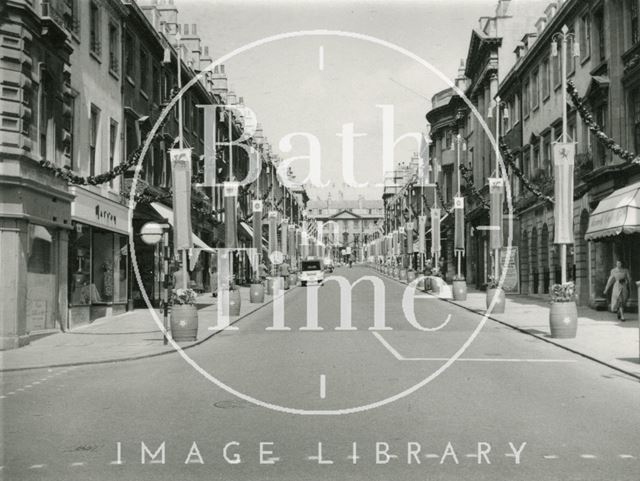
564	36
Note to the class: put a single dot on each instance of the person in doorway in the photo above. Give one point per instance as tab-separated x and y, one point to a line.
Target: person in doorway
620	280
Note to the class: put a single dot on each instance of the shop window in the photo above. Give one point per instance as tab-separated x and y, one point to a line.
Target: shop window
600	153
43	119
102	267
80	266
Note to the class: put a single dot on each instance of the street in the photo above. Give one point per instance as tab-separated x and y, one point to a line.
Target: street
510	407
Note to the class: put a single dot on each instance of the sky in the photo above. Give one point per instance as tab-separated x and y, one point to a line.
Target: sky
294	88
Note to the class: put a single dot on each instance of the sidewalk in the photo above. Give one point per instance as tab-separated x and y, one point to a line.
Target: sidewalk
132	335
600	336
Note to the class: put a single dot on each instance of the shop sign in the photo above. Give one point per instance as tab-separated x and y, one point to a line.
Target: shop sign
93	209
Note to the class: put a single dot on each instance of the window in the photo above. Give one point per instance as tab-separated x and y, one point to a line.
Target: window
129	60
585	36
525	99
94	124
114	48
545	79
70	143
535	91
546	154
144	71
535	164
113	141
526	163
43	120
72	17
635	105
634	23
600	153
557	71
156	84
95	45
599	25
571	60
515	114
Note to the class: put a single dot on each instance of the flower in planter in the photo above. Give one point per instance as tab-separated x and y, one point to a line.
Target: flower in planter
493	282
183	297
457	277
563	292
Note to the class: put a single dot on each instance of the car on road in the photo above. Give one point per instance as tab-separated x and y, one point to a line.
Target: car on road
311	272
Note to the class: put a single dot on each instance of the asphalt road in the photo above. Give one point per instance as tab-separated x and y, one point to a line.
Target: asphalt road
510	407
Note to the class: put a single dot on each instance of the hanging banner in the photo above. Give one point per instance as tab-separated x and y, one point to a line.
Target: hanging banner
458	206
273	231
394	243
257	225
284	236
409	231
435	232
422	234
292	241
563	162
230	190
496	196
181	184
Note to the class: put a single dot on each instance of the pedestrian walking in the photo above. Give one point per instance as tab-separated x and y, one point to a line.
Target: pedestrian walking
620	280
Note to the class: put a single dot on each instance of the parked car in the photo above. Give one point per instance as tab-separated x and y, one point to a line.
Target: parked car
311	272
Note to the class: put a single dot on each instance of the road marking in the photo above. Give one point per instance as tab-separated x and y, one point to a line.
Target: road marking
626	456
321	57
35	383
3	397
400	357
551	456
20	389
10	393
36	466
28	386
77	464
588	456
323	386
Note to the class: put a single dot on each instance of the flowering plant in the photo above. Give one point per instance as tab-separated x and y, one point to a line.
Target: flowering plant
563	292
493	282
183	296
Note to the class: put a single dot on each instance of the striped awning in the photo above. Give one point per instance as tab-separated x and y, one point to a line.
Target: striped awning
618	213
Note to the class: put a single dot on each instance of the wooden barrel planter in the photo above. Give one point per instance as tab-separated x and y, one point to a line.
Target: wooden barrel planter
402	274
563	320
501	300
411	275
184	322
256	293
459	290
235	302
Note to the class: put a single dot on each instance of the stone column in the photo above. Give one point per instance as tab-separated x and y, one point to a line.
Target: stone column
14	237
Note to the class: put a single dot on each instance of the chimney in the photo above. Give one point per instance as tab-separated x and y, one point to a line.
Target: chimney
220	82
540	24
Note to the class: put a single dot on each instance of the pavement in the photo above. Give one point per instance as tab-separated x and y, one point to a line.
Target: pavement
129	336
466	399
600	337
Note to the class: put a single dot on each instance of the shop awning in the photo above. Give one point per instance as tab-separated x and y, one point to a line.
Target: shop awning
618	213
167	213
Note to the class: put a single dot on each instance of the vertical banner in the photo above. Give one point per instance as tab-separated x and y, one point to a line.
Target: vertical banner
210	145
422	234
496	195
230	190
292	241
409	230
257	225
458	206
181	184
394	243
284	236
435	231
563	161
273	231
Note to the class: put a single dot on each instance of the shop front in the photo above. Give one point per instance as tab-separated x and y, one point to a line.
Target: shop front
98	258
614	235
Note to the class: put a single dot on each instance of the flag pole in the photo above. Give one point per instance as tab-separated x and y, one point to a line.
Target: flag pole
185	272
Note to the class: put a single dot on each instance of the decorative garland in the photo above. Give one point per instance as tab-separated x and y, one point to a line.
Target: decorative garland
468	180
508	157
587	117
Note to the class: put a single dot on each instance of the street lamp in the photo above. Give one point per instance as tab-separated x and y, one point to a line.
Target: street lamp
564	36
